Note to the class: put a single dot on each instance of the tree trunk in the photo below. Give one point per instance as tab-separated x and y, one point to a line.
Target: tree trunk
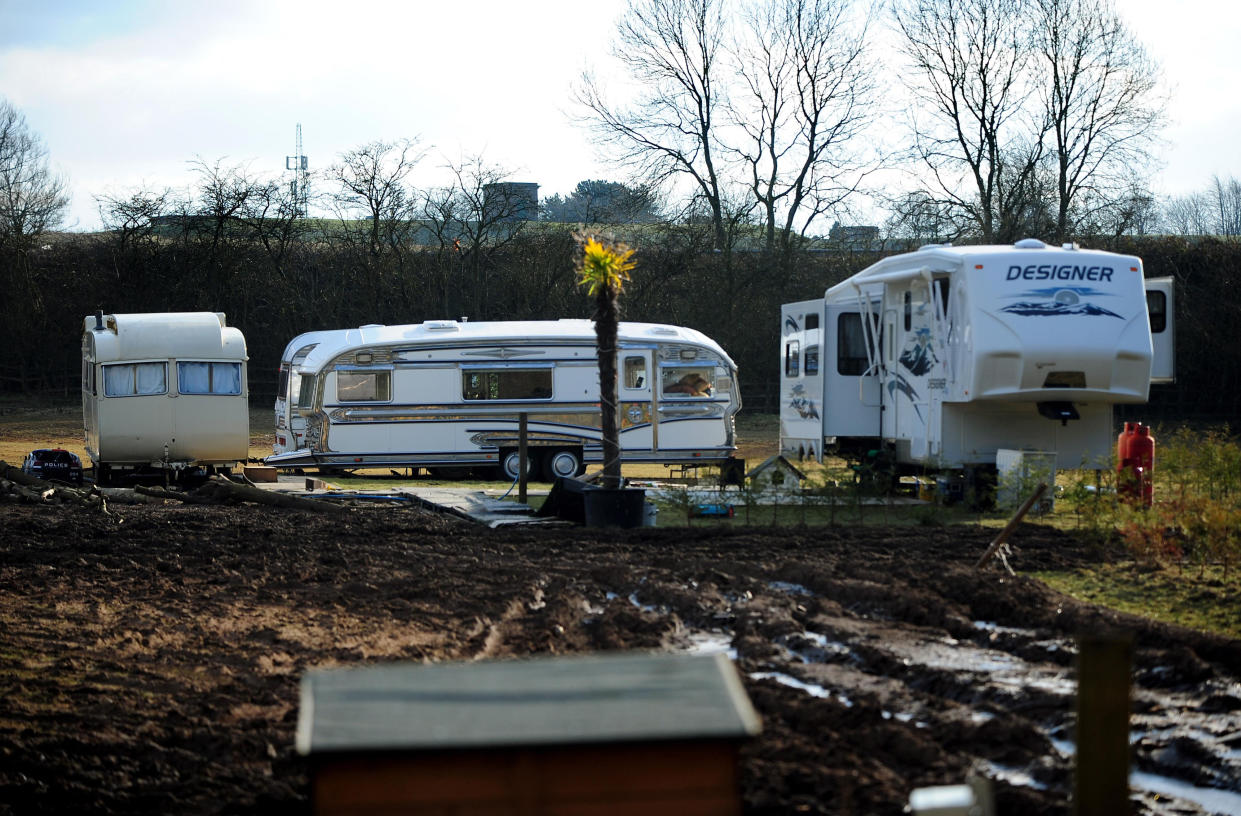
607	316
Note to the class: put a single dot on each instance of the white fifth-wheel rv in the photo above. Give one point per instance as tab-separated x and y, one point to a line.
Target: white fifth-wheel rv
941	358
164	392
447	395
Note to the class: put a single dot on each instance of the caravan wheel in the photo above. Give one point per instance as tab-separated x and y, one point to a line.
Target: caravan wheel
510	465
562	464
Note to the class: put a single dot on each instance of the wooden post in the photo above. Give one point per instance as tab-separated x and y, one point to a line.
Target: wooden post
523	420
1101	783
1012	524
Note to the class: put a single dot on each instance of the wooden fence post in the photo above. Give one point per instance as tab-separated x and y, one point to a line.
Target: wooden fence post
1101	779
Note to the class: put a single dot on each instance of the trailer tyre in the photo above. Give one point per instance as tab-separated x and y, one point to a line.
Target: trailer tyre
510	465
562	464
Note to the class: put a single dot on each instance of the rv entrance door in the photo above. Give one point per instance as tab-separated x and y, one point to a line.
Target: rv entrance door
1159	307
851	390
638	418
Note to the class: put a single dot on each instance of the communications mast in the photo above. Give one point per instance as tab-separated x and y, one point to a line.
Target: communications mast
300	186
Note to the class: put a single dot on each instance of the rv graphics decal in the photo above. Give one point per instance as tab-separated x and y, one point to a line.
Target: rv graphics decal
802	404
918	356
1059	301
899	383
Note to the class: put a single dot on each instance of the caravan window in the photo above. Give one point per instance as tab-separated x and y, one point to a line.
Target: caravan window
635	372
363	386
135	379
792	359
687	381
507	384
851	356
304	392
812	361
209	378
1157	307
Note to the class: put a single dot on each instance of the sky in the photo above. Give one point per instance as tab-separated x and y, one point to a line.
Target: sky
127	93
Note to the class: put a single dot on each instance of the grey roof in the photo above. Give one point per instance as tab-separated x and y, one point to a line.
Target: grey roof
544	701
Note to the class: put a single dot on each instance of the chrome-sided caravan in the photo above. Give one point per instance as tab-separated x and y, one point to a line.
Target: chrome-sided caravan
939	358
447	395
164	392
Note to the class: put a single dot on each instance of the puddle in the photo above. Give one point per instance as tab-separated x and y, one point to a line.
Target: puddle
712	643
810	688
792	589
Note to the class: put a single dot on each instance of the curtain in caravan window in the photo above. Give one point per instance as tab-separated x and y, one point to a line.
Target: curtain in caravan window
152	378
226	378
134	379
118	380
209	378
194	378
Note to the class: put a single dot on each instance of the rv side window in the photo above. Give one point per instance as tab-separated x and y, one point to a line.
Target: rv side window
209	378
508	384
282	389
304	391
792	359
812	321
851	356
635	372
687	381
363	386
1157	307
135	379
909	311
812	361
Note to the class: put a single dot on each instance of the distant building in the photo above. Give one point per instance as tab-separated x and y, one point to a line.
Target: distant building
511	201
857	238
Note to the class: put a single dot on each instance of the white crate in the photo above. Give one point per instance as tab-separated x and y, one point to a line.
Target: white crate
1020	471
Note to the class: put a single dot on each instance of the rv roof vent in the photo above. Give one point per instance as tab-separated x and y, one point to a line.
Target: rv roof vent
933	246
441	325
1070	246
1030	243
664	330
371	326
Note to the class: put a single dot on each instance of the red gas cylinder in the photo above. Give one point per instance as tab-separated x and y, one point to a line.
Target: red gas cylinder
1142	455
1122	445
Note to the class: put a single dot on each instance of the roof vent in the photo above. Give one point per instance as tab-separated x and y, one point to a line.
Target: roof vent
1030	243
441	325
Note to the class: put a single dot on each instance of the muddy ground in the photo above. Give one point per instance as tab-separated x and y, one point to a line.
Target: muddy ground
149	660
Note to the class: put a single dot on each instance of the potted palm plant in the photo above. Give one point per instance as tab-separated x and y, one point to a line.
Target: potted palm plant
603	268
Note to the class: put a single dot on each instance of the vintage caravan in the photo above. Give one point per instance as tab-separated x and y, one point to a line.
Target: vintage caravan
940	358
164	392
447	395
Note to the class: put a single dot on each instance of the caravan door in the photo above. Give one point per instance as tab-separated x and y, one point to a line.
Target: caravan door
801	379
851	389
639	421
1159	307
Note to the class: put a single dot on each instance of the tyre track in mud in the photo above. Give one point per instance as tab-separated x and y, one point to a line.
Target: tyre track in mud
152	664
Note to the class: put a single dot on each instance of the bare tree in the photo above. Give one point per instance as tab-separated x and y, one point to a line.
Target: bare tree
1225	197
33	199
370	182
1098	90
471	219
808	97
968	61
1188	214
672	50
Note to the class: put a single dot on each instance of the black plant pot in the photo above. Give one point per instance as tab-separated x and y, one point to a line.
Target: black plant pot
614	506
